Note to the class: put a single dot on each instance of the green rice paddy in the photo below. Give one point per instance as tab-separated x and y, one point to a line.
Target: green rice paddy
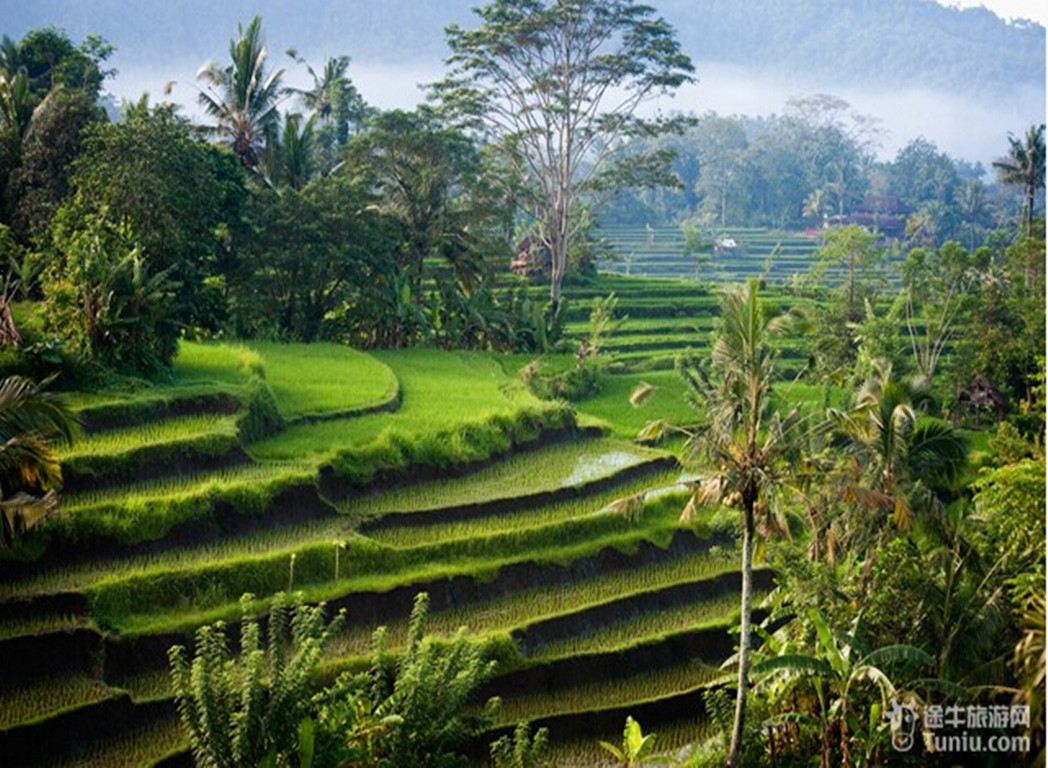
390	471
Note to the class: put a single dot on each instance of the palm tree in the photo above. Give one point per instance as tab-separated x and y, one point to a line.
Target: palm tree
241	97
291	161
903	456
743	440
31	421
16	104
971	199
1024	166
337	105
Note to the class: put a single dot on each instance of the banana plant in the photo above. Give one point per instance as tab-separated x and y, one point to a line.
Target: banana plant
838	671
636	747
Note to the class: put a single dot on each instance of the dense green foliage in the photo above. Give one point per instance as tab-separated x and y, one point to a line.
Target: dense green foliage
854	537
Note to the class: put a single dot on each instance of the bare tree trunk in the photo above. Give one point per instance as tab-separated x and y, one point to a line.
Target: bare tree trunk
558	253
749	502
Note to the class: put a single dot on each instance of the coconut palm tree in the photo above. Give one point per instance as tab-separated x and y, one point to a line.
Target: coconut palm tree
31	421
1024	166
241	98
743	440
336	104
290	163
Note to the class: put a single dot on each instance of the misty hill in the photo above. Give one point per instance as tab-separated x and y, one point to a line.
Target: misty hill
863	43
867	43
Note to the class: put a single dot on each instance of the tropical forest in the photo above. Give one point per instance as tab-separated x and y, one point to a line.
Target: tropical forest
542	423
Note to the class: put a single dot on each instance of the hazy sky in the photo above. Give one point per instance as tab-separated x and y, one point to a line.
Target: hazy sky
963	128
1037	10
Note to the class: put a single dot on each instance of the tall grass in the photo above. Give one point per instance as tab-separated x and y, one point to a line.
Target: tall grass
142	746
185	429
516	610
46	696
601	694
623	633
142	516
180	599
501	520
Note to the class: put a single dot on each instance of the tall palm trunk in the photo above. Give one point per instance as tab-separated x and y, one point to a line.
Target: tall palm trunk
749	502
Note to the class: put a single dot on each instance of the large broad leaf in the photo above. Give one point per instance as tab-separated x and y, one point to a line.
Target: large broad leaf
306	742
936	453
796	663
829	644
614	751
894	654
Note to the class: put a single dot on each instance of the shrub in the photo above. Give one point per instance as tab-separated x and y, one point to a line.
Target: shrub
249	709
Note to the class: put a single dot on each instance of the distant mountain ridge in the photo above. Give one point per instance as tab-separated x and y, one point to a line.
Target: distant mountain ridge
866	43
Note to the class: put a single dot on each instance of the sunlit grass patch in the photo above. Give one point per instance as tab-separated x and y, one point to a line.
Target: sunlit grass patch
322	378
612	403
216	363
151	433
81	576
525	517
134	515
439	390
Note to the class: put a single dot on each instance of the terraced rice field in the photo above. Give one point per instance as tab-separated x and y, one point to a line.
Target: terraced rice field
378	477
660	252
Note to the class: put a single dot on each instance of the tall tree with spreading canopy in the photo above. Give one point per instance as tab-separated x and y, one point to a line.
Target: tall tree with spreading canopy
556	87
1024	166
242	98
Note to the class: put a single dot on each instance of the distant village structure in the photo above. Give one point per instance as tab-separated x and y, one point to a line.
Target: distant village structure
885	214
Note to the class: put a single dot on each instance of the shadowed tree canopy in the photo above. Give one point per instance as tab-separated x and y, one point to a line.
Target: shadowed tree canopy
556	87
151	175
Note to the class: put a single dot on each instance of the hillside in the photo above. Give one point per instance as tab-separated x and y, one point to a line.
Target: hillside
863	43
867	43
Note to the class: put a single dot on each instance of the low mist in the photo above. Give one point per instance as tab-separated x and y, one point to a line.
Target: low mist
965	129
